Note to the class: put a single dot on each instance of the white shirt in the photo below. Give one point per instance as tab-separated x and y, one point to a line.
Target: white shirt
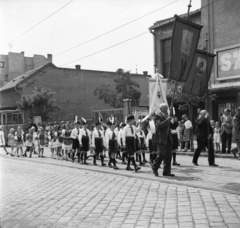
2	139
188	124
84	132
149	136
108	136
128	132
75	133
95	134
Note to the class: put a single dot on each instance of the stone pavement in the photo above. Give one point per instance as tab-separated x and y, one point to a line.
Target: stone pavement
43	195
42	192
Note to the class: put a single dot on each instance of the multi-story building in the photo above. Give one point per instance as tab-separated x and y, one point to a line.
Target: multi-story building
221	29
14	64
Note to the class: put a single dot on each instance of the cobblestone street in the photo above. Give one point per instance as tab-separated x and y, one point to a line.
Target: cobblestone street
51	193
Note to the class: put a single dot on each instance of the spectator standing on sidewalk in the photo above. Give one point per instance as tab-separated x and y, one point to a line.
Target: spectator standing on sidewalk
173	128
204	138
236	131
226	131
187	133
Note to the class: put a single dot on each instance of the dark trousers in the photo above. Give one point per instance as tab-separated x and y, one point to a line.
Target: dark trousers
200	148
226	139
164	153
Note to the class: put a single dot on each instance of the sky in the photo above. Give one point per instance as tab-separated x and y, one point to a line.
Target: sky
70	34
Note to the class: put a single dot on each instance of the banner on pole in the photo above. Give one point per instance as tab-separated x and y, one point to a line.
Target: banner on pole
199	74
183	46
158	96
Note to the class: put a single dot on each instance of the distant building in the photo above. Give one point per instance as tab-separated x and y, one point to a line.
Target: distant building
14	64
74	89
220	20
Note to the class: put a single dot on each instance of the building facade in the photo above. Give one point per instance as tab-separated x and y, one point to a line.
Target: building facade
74	89
221	29
14	64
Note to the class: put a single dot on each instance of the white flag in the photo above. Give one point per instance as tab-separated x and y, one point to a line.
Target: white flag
158	96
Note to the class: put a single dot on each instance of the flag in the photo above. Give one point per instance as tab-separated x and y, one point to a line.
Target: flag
183	46
76	119
158	96
100	117
199	75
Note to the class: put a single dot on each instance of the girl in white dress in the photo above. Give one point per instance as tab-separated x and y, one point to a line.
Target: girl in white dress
2	140
19	138
11	140
217	137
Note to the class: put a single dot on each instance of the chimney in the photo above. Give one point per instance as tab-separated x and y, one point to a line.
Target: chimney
49	57
22	52
145	73
78	67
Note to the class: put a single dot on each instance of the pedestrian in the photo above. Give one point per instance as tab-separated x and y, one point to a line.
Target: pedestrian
173	127
19	134
75	143
112	146
149	145
141	145
36	141
51	143
180	130
120	143
129	142
2	140
67	142
204	139
41	142
187	132
98	143
226	131
236	132
11	140
217	136
163	140
84	140
29	143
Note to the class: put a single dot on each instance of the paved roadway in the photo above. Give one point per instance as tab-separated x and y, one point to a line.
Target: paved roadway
42	192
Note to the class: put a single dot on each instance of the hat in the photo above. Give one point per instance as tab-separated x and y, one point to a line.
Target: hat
98	123
109	123
131	117
227	110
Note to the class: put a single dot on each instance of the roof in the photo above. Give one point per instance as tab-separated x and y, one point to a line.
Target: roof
158	24
13	83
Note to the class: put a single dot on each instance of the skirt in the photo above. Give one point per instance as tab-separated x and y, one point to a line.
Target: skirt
85	143
98	145
130	145
66	147
19	144
75	144
11	142
51	145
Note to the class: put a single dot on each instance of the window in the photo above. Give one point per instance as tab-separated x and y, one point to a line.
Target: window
20	118
15	118
1	119
2	64
9	118
166	55
4	119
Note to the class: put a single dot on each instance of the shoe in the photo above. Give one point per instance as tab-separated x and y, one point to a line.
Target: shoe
110	165
124	163
176	164
141	163
115	167
168	175
155	172
234	151
145	161
85	163
215	165
196	164
129	168
95	163
103	164
136	168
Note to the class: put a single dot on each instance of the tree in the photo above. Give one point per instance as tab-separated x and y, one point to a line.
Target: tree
124	88
40	103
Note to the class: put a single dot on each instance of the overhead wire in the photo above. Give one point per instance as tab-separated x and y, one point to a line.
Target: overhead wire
28	30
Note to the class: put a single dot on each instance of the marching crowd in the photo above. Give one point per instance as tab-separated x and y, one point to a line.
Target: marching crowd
161	137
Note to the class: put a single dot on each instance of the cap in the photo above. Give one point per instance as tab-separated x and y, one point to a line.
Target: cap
131	117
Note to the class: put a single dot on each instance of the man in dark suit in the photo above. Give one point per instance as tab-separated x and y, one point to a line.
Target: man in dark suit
163	140
204	138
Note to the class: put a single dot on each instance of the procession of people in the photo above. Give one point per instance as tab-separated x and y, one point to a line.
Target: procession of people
161	137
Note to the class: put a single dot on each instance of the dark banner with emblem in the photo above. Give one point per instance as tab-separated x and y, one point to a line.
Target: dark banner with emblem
199	74
184	44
